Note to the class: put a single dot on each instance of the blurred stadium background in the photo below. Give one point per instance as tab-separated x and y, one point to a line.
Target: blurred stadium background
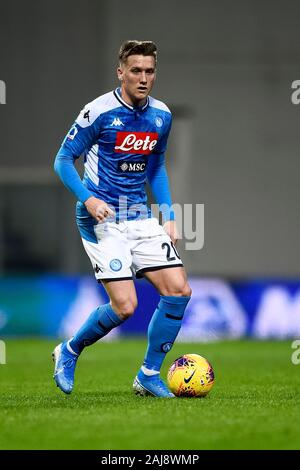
225	69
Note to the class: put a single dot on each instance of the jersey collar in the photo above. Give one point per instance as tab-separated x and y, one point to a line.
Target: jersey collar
118	95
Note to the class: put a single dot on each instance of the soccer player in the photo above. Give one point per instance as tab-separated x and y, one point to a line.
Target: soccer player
123	136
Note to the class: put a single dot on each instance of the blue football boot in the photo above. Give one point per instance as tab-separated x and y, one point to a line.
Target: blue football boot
151	385
64	367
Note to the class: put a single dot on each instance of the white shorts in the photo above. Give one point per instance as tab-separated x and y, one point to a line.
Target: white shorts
130	247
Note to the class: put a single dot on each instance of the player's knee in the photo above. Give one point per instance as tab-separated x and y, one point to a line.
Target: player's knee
125	308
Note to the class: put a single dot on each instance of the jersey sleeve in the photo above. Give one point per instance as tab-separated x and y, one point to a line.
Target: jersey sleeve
163	141
81	137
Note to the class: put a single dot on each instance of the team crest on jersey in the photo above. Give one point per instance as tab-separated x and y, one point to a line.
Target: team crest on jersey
159	122
136	142
73	131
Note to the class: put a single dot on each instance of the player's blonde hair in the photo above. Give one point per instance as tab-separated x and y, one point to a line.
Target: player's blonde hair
132	46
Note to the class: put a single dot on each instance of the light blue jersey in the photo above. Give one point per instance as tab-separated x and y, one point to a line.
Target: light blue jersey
123	146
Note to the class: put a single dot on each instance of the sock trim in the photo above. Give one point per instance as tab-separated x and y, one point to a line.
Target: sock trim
176	299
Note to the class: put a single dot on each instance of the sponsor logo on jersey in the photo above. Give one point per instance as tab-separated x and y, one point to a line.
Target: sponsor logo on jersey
87	115
132	166
117	122
136	142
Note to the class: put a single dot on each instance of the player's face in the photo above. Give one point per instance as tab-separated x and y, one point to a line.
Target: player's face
137	77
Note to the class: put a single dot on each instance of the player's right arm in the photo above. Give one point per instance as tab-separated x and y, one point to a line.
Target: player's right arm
82	135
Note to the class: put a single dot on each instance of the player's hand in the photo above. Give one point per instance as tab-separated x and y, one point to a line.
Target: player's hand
98	208
170	228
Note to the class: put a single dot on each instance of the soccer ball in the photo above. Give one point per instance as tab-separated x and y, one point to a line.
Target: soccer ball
190	375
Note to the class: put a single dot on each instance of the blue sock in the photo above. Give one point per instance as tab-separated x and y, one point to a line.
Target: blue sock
99	323
163	329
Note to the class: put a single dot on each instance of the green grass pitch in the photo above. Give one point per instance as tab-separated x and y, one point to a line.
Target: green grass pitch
254	403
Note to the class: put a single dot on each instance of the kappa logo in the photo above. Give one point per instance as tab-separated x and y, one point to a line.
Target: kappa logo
159	122
136	142
117	122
